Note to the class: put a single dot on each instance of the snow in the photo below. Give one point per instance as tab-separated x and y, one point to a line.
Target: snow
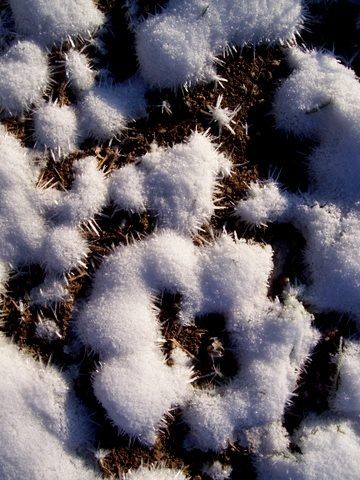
321	99
42	421
41	225
56	128
79	73
177	185
224	117
346	400
330	450
24	77
178	46
230	277
50	22
217	471
106	109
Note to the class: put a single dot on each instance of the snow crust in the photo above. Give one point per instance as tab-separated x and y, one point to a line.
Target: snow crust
24	76
50	22
230	277
43	424
177	184
178	46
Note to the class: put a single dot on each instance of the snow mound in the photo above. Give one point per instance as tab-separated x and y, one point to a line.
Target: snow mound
24	76
177	184
41	420
119	321
56	128
50	22
178	46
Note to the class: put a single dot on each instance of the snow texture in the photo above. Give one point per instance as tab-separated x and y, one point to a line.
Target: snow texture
43	424
330	450
177	185
41	225
24	77
56	128
271	341
178	47
51	22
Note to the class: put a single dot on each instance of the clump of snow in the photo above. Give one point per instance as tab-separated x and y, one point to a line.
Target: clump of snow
56	128
119	321
271	341
24	76
346	399
78	71
42	422
105	110
321	99
157	473
178	46
330	450
50	22
264	203
177	184
40	225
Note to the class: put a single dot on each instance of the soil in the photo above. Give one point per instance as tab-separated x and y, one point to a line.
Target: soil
257	150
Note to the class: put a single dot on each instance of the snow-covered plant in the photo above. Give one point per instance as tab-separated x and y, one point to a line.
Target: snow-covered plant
24	76
271	341
177	184
42	422
178	47
50	22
